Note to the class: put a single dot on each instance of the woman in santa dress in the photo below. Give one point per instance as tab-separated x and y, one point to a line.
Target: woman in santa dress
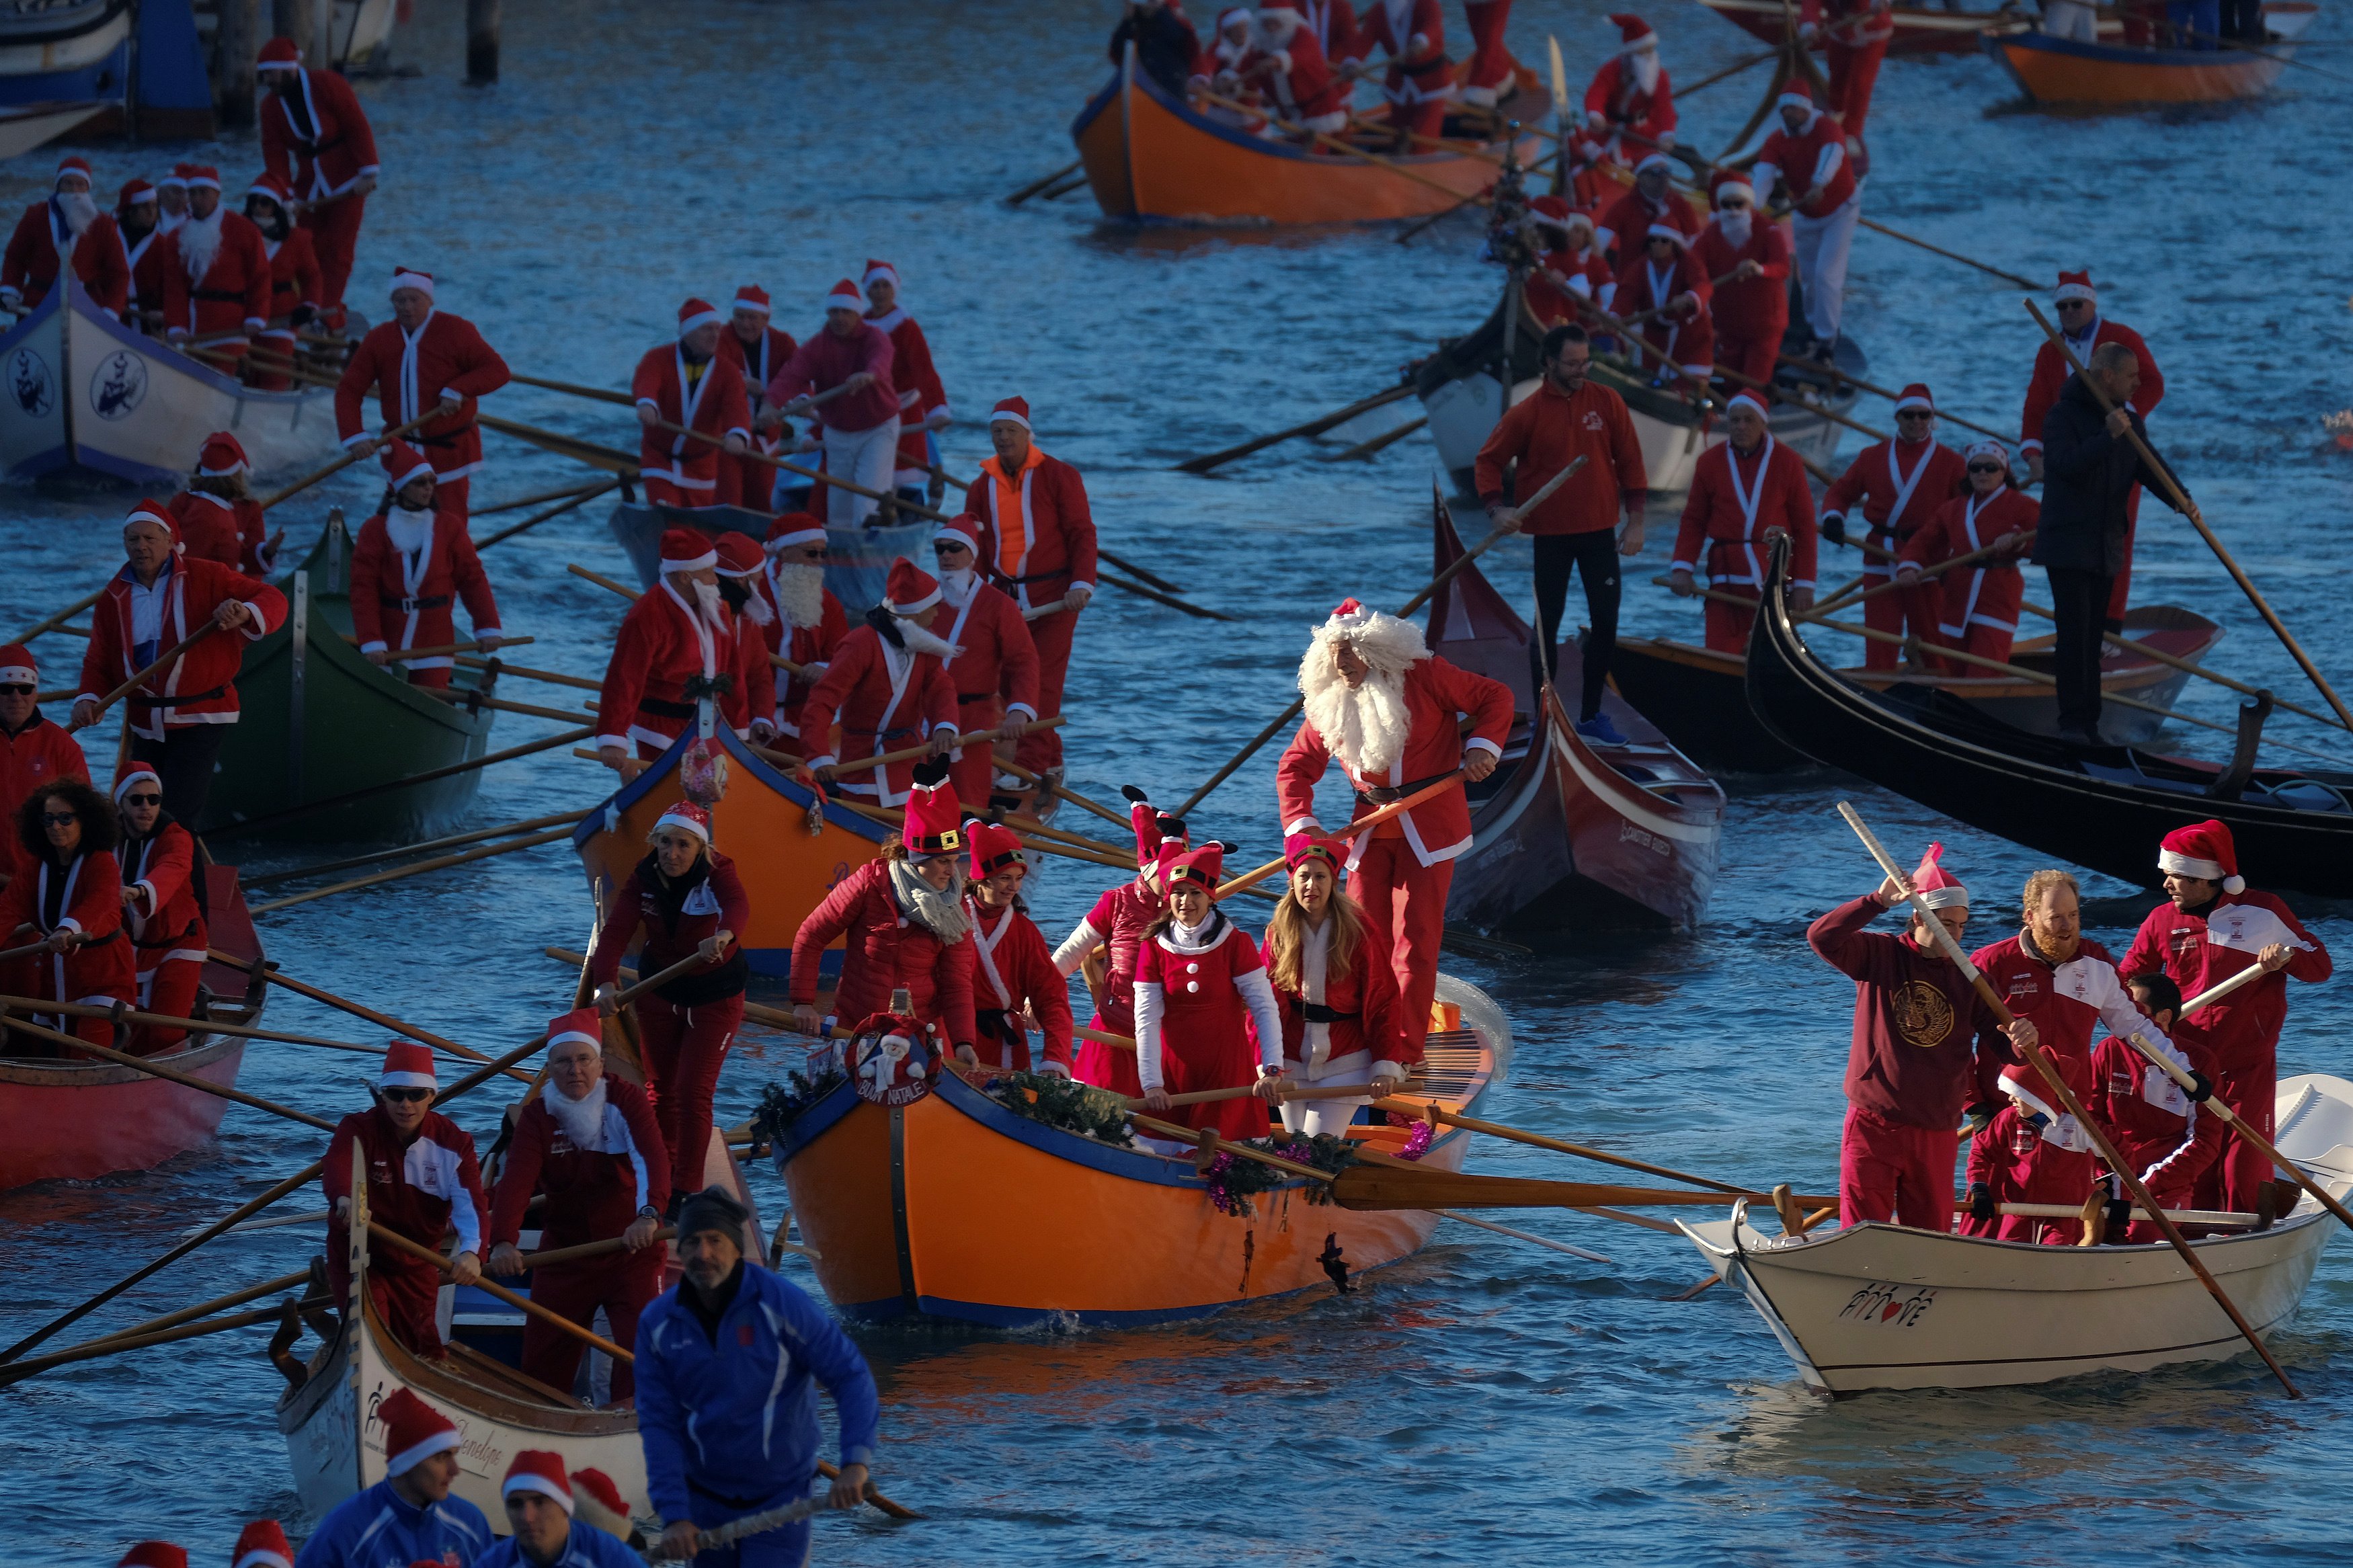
1199	990
1115	928
1574	273
68	889
1336	990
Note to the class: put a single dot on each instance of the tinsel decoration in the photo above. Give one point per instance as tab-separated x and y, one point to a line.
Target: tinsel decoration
1066	1104
1232	1182
1417	1142
781	1104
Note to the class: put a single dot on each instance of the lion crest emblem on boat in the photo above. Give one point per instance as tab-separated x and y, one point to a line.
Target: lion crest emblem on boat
1923	1014
894	1059
119	386
29	379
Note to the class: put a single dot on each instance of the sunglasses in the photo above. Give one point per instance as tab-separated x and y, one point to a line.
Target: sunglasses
14	689
2075	304
142	800
1986	467
59	818
1733	206
945	549
1917	414
405	1095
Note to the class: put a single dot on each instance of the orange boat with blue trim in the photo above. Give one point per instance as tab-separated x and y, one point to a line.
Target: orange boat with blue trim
1153	158
2061	71
902	1196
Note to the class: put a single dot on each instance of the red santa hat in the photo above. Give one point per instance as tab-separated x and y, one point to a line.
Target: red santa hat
1550	209
1154	828
2076	286
16	666
1795	94
154	512
595	1500
155	1554
135	191
844	296
750	297
262	1544
538	1470
882	269
403	463
131	774
697	314
1916	395
1651	160
934	822
580	1023
738	556
909	590
794	528
963	529
271	185
994	847
2023	1084
1015	409
407	1065
277	54
1731	183
202	176
1662	229
1938	888
1751	399
1232	14
412	1430
1634	33
1204	867
74	163
685	550
221	455
2203	850
1985	447
1302	847
412	278
686	814
176	179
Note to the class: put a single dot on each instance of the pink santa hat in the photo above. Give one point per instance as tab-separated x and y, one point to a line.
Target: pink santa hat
1938	888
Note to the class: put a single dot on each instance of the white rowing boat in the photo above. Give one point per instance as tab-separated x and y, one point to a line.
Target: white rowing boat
1881	1306
80	392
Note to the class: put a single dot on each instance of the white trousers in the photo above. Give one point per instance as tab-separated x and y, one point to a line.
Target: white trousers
1821	244
863	457
2067	19
1313	1117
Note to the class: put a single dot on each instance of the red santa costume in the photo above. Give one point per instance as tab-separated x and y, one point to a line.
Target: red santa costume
687	1023
1333	23
994	671
922	401
67	223
1490	73
409	566
1751	314
1014	980
1039	545
2032	1152
904	933
1737	498
2170	1140
810	621
316	138
750	708
861	427
37	753
601	1161
1629	106
1393	736
1337	1028
1978	605
419	1185
2199	948
1302	85
706	396
1420	80
1910	1067
228	528
411	372
166	919
745	480
295	288
1574	274
677	657
79	893
1116	924
1625	222
886	688
1902	484
1205	1012
1814	156
216	275
2050	373
1681	337
144	254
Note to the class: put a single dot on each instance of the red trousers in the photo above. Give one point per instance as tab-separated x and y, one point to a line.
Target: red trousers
743	482
685	1048
623	1283
1854	71
404	1290
1491	62
666	492
170	988
973	771
2235	1178
1406	901
1042	749
1915	609
1752	357
1888	1171
1728	625
335	234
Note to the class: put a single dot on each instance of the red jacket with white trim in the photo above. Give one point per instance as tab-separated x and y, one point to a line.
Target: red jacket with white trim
41	753
162	868
2050	373
2169	1139
999	661
1616	103
214	528
408	377
758	361
1714	516
1366	999
2023	1164
28	267
884	700
1036	534
2200	952
1013	970
1747	308
1814	156
294	277
203	680
1302	81
235	290
888	949
89	899
318	139
664	644
1873	479
2064	1001
420	1189
591	1194
715	405
399	602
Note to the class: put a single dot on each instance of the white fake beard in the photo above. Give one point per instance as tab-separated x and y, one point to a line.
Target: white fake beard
200	243
1735	226
920	640
410	530
582	1120
713	606
1645	67
78	210
1365	728
755	603
800	593
958	586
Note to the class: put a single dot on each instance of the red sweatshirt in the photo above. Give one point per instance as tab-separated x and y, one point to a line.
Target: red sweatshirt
677	915
888	948
1914	1018
1013	969
591	1194
413	1187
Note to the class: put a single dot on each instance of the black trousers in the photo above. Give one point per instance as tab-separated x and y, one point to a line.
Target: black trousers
2079	604
184	759
1593	557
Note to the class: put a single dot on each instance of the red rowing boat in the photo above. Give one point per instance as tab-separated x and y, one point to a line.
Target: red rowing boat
1918	29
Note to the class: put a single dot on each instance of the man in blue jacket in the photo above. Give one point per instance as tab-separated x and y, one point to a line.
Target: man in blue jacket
409	1516
538	1502
724	1405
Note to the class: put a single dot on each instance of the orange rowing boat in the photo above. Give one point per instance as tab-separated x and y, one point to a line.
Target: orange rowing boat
2061	71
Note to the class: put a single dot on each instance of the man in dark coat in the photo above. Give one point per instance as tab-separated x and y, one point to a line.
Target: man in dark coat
2089	467
1164	43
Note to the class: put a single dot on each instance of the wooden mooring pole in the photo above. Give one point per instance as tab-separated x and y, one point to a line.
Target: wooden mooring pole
482	41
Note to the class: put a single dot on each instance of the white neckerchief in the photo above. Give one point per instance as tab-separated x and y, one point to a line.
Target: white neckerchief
1314	970
1749	499
1401	19
1182	938
984	948
1903	487
703	631
964	610
688	402
410	406
582	1120
1659	285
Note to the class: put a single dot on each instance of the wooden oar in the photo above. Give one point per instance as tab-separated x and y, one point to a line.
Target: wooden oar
599	393
836	480
524	672
610	459
201	1025
128	686
273	818
1383	1185
2189	509
438	863
1526	1236
30	948
1947	255
400	1243
346	460
125	1058
1407	1106
2125	1168
1337	145
206	1308
1519	513
915	754
1364	824
1728	71
582	499
1073	796
1034	186
2142	650
401	1026
1825	608
450	841
1378	443
1446	212
2245	47
18	1372
60	618
1315	427
403	655
522	501
471	700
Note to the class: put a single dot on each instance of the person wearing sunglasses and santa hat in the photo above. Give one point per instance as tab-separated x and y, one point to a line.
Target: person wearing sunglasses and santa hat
994	671
424	361
1977	605
1108	942
162	906
1901	484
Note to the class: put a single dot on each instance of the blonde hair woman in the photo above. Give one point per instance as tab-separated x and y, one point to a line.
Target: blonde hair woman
1334	984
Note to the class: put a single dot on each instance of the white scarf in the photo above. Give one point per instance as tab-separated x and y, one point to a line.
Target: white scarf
1734	227
582	1120
939	909
799	590
411	532
200	243
1365	728
410	406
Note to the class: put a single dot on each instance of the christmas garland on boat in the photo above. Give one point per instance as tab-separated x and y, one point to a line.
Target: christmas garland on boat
781	1104
1066	1105
1232	1181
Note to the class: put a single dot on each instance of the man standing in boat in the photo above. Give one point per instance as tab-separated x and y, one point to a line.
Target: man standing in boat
1741	492
758	350
677	650
1626	223
216	272
923	400
690	383
136	215
852	360
69	224
994	671
1630	107
411	561
1751	307
1808	153
1901	484
423	360
2211	927
1919	1031
1572	417
1420	80
725	1407
316	138
411	1516
1387	708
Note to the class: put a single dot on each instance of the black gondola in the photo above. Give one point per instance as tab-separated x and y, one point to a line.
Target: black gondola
2102	806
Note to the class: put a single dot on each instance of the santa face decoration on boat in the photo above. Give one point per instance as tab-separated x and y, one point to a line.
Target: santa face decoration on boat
893	1060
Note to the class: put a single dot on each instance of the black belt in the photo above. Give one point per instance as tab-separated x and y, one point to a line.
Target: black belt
151	946
665	708
1389	794
219	296
1035	576
179	701
432	602
964	699
449	440
880	734
1316	1013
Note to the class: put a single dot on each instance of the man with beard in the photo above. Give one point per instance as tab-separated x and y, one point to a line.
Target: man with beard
996	672
411	561
853	358
1625	225
725	1406
135	214
750	708
758	350
216	271
316	139
421	358
690	383
675	658
1421	79
1629	108
1291	59
923	400
1808	154
888	689
590	1143
294	283
1377	700
811	622
67	223
162	905
1751	307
